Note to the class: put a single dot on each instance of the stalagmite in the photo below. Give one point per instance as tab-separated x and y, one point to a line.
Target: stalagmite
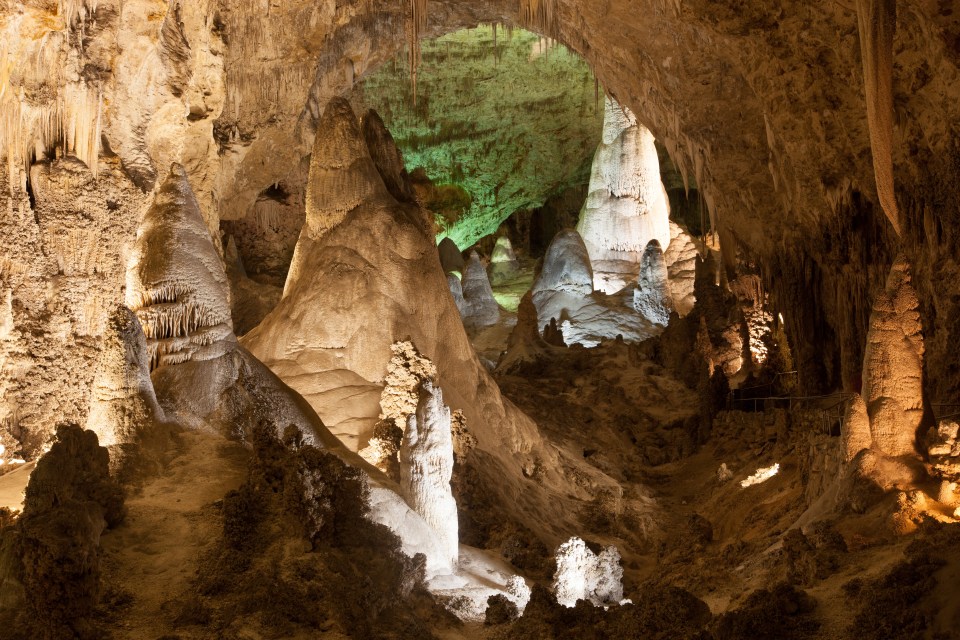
426	466
856	428
387	157
566	267
176	283
584	575
503	262
450	257
681	259
893	365
122	401
627	205
481	307
651	298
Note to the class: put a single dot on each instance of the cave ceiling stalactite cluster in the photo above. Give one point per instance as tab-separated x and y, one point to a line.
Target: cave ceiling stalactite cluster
636	317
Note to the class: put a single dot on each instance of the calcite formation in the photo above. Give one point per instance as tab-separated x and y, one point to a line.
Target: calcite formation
627	205
450	257
426	466
651	298
681	258
480	307
566	267
584	575
503	262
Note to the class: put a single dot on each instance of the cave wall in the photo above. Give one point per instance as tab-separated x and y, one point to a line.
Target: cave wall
761	105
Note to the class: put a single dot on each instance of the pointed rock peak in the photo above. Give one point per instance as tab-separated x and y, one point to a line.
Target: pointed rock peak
566	267
450	257
176	283
387	157
342	173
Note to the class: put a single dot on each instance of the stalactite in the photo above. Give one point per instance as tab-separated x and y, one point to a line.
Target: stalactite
417	25
877	23
539	14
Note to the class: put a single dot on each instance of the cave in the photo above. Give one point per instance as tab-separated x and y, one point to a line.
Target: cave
479	319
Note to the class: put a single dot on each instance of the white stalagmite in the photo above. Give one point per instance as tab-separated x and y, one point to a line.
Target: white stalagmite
503	263
584	575
426	466
480	307
651	298
627	205
681	258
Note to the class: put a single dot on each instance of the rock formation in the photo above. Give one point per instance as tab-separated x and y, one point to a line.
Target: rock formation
426	466
681	258
450	257
566	267
480	307
585	575
893	366
627	206
651	298
503	262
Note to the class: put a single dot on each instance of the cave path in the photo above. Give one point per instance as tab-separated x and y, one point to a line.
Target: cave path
171	522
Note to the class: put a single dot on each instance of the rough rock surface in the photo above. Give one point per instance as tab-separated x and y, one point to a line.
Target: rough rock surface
681	258
893	366
585	575
651	298
627	205
480	307
566	266
426	466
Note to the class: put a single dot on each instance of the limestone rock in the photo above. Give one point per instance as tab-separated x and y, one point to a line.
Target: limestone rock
426	466
651	298
450	257
481	308
681	258
627	206
856	428
584	575
176	283
504	266
893	365
566	266
387	157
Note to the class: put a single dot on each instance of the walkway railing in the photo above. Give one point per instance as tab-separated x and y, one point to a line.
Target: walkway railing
831	407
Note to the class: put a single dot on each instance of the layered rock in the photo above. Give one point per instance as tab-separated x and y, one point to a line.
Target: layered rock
627	205
651	298
504	265
426	466
480	307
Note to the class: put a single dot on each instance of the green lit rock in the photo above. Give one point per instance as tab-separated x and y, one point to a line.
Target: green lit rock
509	120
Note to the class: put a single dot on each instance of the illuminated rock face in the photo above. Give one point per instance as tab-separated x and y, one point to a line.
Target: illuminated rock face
566	267
681	258
627	205
893	365
176	283
480	308
122	401
426	466
503	262
584	575
651	298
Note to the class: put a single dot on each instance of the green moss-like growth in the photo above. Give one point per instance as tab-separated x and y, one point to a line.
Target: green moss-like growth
511	123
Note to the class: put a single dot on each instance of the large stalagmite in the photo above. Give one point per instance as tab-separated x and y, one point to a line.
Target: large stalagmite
627	205
372	280
481	308
651	298
893	365
426	466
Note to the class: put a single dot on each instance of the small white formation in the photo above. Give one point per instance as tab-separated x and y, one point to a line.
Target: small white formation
762	475
651	298
627	205
563	292
426	466
504	266
584	575
480	307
